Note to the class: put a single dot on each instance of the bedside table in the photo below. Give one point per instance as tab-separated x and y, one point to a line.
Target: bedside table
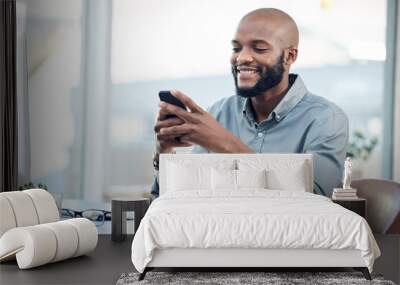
119	207
358	206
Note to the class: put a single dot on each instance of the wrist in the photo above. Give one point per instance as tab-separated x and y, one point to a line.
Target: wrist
169	150
234	145
160	149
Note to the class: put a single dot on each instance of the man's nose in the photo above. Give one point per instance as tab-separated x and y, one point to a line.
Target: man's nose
244	56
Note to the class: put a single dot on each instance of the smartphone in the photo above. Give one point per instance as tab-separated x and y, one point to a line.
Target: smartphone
167	97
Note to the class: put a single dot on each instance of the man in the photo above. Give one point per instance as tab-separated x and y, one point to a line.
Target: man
273	112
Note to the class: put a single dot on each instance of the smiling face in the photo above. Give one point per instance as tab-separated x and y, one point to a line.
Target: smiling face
258	59
251	81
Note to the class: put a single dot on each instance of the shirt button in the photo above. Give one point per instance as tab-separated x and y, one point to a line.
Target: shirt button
260	135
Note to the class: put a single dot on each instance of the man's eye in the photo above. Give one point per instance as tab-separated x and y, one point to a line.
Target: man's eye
260	49
235	49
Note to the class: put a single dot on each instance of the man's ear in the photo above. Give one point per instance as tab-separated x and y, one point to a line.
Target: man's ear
290	55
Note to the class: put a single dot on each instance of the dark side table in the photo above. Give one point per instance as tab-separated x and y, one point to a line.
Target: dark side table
358	206
119	207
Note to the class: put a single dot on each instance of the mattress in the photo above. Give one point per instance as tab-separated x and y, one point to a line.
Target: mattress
250	219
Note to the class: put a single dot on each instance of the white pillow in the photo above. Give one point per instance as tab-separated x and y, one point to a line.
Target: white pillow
294	179
185	177
251	178
223	179
281	174
227	179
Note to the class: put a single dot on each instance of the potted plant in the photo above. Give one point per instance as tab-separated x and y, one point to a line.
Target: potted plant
31	185
360	149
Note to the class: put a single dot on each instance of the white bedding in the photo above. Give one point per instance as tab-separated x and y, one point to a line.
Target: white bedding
251	218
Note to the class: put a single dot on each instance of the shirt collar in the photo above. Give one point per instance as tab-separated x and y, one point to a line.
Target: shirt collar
293	96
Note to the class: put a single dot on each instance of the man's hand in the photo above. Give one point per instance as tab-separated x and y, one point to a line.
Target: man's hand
199	127
166	143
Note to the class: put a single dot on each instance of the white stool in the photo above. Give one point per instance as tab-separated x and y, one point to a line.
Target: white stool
32	233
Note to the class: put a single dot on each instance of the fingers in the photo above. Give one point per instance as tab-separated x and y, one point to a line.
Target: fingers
176	130
171	109
194	108
167	130
167	123
185	139
162	115
166	142
166	109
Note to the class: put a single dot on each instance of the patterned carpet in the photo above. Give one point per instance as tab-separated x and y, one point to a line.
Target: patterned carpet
273	278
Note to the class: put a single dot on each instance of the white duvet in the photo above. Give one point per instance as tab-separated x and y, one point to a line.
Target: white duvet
250	219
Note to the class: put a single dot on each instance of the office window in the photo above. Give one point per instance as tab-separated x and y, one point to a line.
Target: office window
187	46
94	69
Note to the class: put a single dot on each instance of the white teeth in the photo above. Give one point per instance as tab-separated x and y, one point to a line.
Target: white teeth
247	71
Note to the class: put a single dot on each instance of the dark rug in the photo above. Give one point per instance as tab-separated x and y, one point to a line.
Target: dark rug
225	278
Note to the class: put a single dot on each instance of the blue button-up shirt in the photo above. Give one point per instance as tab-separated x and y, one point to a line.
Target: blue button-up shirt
300	123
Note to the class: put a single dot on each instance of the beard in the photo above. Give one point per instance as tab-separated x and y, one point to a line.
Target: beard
270	77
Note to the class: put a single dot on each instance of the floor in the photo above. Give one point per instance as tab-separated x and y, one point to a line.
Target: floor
111	259
103	266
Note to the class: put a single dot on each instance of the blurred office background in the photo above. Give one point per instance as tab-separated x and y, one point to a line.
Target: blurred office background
89	72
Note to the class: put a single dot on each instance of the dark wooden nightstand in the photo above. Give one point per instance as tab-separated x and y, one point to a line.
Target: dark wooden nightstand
358	206
119	207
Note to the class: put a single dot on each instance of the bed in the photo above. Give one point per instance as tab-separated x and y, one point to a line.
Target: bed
241	210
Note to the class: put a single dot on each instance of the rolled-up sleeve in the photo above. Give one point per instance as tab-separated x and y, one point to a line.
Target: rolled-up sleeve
327	140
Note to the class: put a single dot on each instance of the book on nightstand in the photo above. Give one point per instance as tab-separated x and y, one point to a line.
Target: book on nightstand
344	194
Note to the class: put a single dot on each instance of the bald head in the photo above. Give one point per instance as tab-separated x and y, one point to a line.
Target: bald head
263	49
273	23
